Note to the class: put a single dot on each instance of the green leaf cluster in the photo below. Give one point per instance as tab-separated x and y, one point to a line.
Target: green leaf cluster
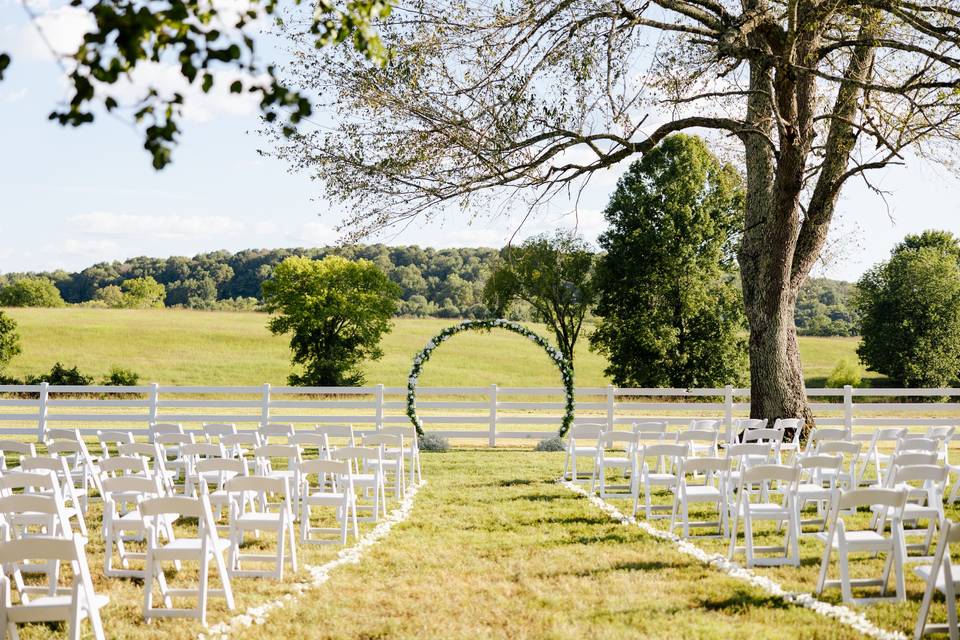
553	275
336	312
670	308
31	291
910	312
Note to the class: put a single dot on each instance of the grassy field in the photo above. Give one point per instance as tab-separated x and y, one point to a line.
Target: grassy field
173	346
493	548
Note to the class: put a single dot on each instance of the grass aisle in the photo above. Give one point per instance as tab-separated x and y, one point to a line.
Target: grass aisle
495	548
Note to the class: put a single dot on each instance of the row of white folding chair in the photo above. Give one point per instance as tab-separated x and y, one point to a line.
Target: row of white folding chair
73	498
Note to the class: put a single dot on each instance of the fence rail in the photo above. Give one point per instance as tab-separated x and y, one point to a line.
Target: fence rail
488	413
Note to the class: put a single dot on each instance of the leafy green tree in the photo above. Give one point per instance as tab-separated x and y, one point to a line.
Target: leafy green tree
111	296
551	273
9	340
31	292
670	307
336	312
910	312
201	37
143	293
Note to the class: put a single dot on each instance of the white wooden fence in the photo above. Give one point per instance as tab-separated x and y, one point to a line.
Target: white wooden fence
481	413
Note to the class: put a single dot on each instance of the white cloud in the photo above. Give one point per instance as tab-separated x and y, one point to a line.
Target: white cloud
198	106
164	227
315	233
13	95
60	29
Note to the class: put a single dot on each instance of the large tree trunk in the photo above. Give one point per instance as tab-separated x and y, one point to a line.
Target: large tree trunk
776	376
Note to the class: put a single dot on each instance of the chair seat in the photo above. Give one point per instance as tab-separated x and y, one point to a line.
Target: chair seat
923	572
609	461
702	491
863	541
661	478
323	497
766	510
186	549
257	521
49	608
813	491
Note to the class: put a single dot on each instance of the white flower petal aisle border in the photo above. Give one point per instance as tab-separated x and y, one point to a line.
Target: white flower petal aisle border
841	613
319	574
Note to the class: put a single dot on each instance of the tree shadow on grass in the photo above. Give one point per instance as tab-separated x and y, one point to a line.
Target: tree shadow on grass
641	566
741	601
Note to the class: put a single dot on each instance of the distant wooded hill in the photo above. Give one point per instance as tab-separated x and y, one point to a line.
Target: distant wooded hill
445	283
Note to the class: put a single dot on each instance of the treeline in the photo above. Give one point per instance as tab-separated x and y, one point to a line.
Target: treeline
445	283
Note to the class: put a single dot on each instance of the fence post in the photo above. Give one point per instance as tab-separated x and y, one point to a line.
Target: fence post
154	403
610	406
728	411
848	408
42	412
379	415
265	404
492	437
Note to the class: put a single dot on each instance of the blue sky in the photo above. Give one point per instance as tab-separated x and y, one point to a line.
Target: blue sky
72	197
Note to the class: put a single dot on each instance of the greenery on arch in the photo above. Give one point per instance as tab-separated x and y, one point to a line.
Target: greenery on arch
566	372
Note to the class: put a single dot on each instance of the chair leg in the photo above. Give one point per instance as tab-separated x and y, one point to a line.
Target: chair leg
845	587
202	590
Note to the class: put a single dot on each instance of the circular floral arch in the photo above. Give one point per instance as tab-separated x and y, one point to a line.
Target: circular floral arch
566	372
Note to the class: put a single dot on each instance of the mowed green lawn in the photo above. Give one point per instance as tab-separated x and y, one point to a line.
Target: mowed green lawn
183	347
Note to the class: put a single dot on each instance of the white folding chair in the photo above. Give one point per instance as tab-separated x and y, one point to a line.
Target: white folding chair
214	431
122	521
743	456
939	577
650	427
192	454
882	438
80	465
71	604
392	460
850	452
581	443
125	466
68	492
411	450
367	478
711	491
276	430
658	465
28	515
212	475
615	450
338	434
312	442
739	426
112	439
924	502
158	428
943	435
333	488
52	435
792	429
153	455
840	538
269	460
765	509
170	446
246	494
820	435
202	548
819	476
703	442
18	449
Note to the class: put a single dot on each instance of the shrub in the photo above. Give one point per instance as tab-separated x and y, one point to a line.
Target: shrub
846	372
430	442
9	340
31	292
556	443
61	375
120	377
